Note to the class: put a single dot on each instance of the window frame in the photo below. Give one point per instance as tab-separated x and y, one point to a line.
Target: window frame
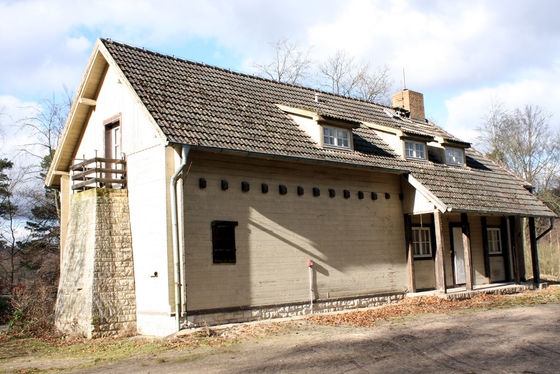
414	242
335	132
223	242
491	241
414	150
449	159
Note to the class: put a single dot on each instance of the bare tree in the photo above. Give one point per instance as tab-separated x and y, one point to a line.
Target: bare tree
376	85
343	75
524	141
44	127
290	64
340	74
492	131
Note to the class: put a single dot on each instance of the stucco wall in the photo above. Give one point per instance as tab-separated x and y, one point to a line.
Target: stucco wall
358	245
147	169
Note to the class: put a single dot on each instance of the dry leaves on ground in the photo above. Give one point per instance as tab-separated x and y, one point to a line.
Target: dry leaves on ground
433	304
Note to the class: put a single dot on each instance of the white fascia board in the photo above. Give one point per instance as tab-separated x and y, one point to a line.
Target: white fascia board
70	120
427	194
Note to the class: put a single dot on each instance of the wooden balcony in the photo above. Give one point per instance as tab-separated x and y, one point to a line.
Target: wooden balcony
98	173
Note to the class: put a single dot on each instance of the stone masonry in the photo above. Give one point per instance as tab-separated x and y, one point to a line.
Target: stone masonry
319	306
96	295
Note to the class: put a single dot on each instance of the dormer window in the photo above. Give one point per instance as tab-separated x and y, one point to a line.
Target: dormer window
454	156
415	150
333	137
326	130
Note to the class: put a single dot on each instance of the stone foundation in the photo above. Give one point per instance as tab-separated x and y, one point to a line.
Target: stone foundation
249	314
96	295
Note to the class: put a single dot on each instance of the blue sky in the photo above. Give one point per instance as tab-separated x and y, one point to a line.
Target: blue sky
459	54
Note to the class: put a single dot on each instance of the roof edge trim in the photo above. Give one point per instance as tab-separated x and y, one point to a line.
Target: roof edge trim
290	158
428	194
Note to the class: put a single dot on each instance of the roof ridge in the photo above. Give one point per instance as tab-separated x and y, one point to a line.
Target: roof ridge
248	75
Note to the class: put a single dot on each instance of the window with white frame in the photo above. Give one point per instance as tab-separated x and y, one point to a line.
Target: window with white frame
421	242
415	150
494	241
454	156
333	137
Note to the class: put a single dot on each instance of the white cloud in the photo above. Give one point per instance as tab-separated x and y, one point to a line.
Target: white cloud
463	52
80	44
466	110
14	111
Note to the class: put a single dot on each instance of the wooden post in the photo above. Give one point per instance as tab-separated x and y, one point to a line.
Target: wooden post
440	258
534	251
467	249
485	249
514	251
505	244
409	253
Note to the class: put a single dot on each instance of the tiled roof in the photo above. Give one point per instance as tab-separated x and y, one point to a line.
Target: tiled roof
215	108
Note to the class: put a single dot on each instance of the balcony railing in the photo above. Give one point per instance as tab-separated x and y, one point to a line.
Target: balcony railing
98	173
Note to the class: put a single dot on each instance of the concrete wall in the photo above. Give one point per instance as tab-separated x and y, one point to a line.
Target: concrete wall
96	294
358	245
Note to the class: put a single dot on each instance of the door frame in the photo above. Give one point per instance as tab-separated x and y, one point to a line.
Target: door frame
453	225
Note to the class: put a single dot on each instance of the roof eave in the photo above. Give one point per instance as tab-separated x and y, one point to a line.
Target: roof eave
78	115
291	158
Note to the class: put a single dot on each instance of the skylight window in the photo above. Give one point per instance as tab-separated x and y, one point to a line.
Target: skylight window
454	156
415	150
333	137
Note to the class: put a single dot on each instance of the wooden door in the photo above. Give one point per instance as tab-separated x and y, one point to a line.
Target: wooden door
459	256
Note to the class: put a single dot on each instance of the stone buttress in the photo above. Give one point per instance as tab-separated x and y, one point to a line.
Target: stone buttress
96	295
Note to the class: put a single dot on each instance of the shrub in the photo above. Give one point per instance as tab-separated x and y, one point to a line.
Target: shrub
33	310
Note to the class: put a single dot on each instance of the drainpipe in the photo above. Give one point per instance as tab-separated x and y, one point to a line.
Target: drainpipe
175	234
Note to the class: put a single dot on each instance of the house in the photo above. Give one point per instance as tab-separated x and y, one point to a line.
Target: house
196	195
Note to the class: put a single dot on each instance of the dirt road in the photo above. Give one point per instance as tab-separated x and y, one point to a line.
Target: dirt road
519	340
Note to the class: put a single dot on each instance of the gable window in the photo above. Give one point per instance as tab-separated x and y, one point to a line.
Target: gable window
494	241
334	137
422	242
415	150
223	242
454	156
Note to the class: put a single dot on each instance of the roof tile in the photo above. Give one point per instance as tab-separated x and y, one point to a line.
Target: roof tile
215	108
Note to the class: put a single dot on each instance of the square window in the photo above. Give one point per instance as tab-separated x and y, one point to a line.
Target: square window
422	242
223	242
415	150
336	137
454	156
494	241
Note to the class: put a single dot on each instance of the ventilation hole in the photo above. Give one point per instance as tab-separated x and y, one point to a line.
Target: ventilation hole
316	192
360	195
202	183
283	189
245	187
346	194
264	188
332	192
374	196
225	185
300	190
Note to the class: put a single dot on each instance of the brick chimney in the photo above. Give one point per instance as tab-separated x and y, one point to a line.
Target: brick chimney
411	101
